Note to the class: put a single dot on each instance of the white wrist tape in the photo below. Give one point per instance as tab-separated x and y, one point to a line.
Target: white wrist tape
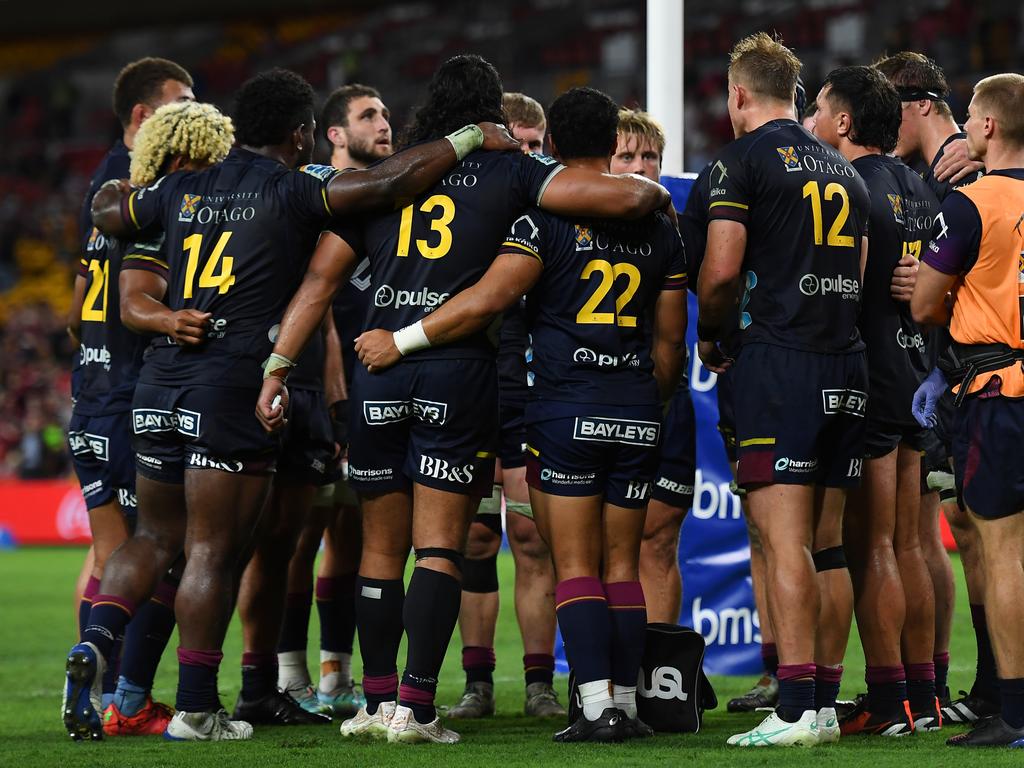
411	338
277	362
465	140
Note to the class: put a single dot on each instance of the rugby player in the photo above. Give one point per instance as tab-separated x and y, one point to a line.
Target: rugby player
191	412
977	255
99	434
535	574
927	132
640	145
606	352
791	214
356	124
859	114
419	458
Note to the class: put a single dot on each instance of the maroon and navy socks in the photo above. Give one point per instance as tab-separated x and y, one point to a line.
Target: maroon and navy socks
887	690
379	607
145	640
539	668
827	679
796	690
478	664
197	680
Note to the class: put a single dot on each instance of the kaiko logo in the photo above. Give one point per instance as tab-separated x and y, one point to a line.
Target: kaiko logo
666	683
386	296
812	285
442	470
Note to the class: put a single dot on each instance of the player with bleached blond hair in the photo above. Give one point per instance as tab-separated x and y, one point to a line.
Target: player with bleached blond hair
179	134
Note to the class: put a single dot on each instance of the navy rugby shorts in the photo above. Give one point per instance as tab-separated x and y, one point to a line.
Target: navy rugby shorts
987	439
588	450
800	416
512	440
432	422
307	450
101	451
199	427
673	482
726	393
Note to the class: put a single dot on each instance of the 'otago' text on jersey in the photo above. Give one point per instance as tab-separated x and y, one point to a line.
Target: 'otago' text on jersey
591	314
109	356
805	210
443	241
903	212
238	237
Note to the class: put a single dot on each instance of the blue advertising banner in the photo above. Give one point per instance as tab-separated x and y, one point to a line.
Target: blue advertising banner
714	552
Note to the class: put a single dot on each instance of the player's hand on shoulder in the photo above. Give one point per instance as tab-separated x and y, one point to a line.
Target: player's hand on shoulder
904	277
377	350
955	164
188	327
497	138
712	357
272	404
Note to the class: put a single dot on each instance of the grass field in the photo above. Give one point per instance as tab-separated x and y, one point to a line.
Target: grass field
37	627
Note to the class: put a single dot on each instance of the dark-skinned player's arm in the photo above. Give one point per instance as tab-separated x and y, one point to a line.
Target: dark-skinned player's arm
143	310
413	170
74	324
467	312
332	264
669	340
582	192
718	288
107	204
335	386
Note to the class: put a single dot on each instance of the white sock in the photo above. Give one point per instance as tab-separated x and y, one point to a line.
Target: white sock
334	680
291	670
596	698
625	699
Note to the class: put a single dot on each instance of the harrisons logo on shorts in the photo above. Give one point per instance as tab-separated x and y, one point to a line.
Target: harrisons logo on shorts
906	341
443	470
92	488
555	477
585	355
795	466
813	285
149	461
849	401
205	462
386	296
158	420
370	475
625	431
391	411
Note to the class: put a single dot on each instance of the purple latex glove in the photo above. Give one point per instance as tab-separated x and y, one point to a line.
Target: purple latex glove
926	398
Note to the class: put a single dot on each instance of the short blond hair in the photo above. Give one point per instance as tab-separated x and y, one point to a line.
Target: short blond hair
1001	97
640	125
765	66
522	110
200	132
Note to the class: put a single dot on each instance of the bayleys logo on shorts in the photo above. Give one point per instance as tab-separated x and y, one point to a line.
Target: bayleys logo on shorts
179	420
396	298
849	401
626	431
86	444
391	411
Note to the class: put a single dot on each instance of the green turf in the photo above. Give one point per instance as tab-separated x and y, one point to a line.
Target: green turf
37	625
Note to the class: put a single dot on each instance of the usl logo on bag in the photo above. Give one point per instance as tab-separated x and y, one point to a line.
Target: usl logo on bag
666	683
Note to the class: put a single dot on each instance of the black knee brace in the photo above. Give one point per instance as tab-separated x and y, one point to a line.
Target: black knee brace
480	576
830	559
451	555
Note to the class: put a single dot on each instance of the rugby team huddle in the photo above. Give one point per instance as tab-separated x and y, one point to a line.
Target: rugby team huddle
383	353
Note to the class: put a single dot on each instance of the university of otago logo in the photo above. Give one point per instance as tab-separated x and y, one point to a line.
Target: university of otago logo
790	158
188	207
584	238
897	207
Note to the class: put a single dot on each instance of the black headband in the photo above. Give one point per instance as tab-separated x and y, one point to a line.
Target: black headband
912	93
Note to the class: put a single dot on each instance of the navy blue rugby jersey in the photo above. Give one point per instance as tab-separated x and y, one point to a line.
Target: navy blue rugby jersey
443	241
110	355
591	314
238	238
115	165
349	308
805	210
903	212
513	348
941	189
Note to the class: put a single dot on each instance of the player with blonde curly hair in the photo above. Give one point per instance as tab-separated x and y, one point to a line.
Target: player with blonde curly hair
179	133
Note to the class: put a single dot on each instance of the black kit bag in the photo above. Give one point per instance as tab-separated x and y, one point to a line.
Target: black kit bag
672	691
